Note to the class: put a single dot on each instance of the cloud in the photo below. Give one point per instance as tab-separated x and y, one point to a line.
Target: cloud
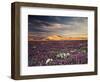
48	25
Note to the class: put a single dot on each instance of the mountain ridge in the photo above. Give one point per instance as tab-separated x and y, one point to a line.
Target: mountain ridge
54	37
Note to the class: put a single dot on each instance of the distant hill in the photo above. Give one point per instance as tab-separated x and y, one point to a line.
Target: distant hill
54	37
57	37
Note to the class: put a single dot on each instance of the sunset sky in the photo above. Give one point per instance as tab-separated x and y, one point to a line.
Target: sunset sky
47	26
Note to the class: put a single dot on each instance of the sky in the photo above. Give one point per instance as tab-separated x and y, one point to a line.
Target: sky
65	26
